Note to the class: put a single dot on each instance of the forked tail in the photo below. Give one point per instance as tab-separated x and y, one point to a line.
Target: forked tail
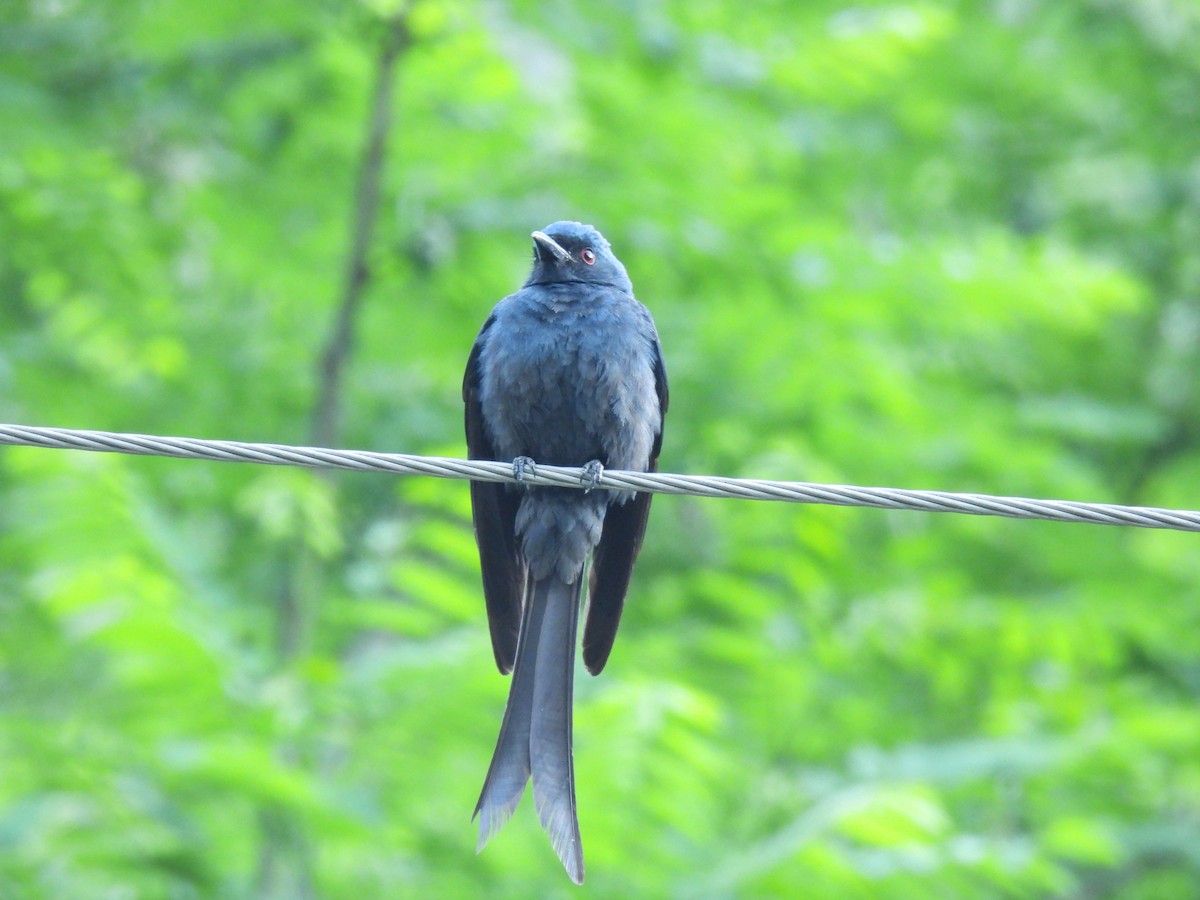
535	738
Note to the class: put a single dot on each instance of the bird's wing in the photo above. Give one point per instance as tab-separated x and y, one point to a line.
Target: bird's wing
612	564
494	511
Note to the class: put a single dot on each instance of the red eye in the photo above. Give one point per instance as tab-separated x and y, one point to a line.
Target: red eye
588	256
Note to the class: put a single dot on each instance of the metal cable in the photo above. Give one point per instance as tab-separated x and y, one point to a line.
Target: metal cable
560	476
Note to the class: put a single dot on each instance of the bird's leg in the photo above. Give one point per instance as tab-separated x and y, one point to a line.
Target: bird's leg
522	466
592	472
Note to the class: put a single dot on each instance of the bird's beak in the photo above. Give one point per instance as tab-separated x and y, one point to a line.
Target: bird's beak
548	249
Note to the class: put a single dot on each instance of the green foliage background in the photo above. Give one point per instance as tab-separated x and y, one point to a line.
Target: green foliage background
923	244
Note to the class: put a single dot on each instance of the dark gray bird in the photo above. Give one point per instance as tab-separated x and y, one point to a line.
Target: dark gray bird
567	371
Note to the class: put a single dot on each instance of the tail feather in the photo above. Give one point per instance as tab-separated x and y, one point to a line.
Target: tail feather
535	737
550	736
509	770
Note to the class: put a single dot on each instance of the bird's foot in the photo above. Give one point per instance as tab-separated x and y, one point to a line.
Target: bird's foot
592	473
523	466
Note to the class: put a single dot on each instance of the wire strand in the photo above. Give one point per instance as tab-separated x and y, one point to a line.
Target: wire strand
571	477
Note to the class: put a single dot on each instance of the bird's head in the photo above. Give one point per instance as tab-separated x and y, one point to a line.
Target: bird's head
572	251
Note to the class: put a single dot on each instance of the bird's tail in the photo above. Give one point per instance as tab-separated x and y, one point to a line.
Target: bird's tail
535	737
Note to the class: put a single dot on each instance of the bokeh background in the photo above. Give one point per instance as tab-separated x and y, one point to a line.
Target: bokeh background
923	244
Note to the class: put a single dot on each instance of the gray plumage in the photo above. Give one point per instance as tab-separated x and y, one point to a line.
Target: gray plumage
567	371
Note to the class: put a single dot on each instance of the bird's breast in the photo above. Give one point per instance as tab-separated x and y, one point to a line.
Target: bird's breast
575	382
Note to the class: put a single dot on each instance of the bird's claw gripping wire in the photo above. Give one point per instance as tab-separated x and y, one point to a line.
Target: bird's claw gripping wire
592	473
523	466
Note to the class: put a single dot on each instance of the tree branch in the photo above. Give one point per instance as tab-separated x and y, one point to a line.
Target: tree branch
326	424
285	859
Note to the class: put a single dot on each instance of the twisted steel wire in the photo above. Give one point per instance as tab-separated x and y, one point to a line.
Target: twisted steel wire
565	476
